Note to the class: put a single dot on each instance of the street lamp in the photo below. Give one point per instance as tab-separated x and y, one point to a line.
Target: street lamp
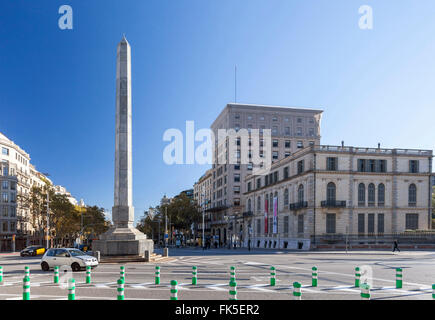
165	202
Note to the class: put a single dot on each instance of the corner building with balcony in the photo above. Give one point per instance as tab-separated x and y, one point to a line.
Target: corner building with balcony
292	129
326	192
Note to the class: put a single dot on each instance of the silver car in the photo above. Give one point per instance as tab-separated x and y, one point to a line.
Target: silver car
71	257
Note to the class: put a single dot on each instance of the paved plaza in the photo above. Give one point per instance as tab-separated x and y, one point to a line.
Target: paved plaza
336	272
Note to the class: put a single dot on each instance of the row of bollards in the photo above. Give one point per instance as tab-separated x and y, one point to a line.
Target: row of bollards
297	293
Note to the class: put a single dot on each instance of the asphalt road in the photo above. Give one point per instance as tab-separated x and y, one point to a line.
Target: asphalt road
336	274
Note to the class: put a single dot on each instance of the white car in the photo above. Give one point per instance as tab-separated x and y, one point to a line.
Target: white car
71	257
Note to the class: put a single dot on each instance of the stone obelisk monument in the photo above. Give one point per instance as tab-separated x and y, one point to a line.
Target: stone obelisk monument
123	238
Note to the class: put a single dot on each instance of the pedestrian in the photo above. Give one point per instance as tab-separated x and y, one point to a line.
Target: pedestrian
396	246
249	245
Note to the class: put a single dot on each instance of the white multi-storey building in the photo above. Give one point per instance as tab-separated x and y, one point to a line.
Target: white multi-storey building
327	192
17	177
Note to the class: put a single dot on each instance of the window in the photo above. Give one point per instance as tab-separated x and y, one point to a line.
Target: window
286	154
411	221
286	223
300	144
12	227
5	197
249	186
299	120
287	144
301	193
412	195
13	185
275	176
301	223
361	223
249	205
262	118
238	142
5	171
237	166
270	203
249	117
311	143
250	166
274	130
237	201
236	177
372	165
236	189
5	226
330	223
258	183
5	211
275	143
5	151
286	197
287	131
361	195
330	192
311	132
381	195
258	203
286	173
237	127
266	180
381	165
237	116
413	166
275	155
371	195
274	119
380	223
361	165
299	131
331	164
258	226
371	223
5	185
300	166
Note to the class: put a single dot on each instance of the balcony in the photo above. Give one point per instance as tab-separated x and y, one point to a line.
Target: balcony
333	204
298	205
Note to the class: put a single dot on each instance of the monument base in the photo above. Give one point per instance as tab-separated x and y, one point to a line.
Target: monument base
123	242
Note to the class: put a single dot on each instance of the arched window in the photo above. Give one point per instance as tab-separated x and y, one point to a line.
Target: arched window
381	195
249	204
371	194
361	195
330	192
271	202
258	203
286	199
412	195
301	193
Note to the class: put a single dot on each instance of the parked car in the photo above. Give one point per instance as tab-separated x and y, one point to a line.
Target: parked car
72	257
32	251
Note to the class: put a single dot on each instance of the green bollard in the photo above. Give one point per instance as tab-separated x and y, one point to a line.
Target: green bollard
88	274
174	290
398	278
26	288
314	277
71	289
357	276
56	274
194	276
157	278
272	276
233	290
120	289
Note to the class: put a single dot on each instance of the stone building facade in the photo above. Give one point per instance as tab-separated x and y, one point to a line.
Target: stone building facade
292	129
323	192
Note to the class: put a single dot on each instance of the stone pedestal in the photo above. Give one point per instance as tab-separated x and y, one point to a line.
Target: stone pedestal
123	241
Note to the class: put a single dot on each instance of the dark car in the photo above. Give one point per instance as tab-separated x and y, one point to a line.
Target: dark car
33	251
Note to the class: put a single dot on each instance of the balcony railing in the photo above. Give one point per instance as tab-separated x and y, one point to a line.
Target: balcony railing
298	205
333	204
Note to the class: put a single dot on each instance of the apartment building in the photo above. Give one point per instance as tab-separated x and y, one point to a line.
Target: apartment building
292	129
202	191
17	177
324	192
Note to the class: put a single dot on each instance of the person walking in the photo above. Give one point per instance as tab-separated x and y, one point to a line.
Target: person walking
396	246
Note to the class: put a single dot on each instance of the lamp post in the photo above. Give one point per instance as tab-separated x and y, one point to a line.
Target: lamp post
204	203
165	202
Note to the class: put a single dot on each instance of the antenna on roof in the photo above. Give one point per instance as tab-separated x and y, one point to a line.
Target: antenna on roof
235	83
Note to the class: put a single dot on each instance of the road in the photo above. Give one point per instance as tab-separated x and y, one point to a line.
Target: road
335	272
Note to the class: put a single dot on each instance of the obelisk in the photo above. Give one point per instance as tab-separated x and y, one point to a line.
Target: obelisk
123	238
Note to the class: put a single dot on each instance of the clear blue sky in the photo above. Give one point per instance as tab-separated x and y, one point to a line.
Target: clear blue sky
57	88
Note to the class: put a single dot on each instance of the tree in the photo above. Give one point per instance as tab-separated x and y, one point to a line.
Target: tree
183	211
